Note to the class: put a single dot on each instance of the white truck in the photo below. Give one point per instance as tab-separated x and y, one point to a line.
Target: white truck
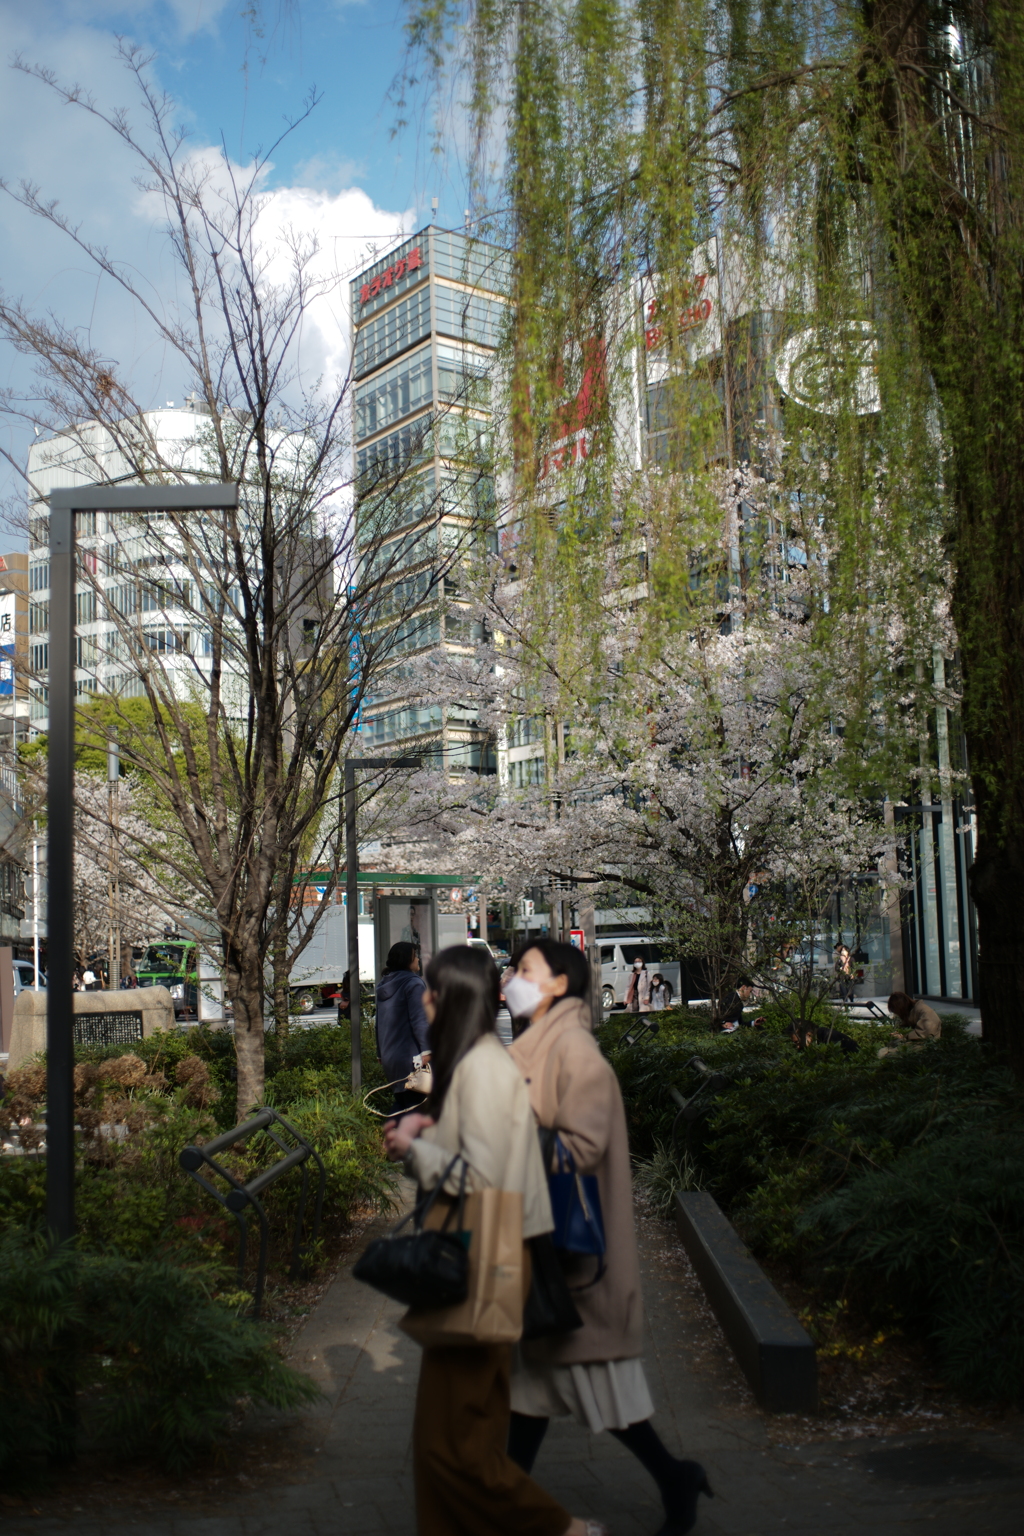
317	973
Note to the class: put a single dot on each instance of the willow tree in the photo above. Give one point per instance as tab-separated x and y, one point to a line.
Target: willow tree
810	215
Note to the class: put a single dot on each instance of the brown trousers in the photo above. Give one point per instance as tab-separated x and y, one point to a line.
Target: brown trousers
465	1483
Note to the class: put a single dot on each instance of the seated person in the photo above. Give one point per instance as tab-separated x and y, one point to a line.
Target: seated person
731	1016
920	1023
823	1034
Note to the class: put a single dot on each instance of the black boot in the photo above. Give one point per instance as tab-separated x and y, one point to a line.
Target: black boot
680	1483
681	1496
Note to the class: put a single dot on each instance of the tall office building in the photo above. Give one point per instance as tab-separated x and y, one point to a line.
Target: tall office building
427	320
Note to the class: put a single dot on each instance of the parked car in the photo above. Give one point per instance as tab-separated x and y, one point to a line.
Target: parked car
618	952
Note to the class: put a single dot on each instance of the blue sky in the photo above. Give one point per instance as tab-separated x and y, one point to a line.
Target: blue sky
343	171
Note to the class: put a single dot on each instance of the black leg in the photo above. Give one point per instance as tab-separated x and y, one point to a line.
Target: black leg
525	1435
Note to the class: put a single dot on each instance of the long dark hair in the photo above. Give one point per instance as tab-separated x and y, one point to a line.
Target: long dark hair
465	985
564	960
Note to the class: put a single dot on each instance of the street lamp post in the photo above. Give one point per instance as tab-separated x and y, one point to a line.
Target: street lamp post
60	830
352	897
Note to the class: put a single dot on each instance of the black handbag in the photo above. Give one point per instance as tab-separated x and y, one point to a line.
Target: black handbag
421	1268
549	1306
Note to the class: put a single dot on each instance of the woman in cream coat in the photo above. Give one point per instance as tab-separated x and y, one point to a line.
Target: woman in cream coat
594	1373
466	1484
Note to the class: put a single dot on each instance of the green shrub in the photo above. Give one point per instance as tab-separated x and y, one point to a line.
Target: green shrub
159	1365
889	1182
348	1140
133	1198
38	1304
940	1233
661	1177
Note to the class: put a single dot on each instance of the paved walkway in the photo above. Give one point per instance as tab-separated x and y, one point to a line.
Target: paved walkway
351	1472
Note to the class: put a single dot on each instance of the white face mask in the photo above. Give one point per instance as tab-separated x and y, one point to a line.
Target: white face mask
638	965
522	997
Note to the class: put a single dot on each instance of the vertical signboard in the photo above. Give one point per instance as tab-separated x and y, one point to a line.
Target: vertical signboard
7	602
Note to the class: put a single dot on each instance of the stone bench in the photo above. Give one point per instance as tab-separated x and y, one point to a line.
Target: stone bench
775	1353
101	1018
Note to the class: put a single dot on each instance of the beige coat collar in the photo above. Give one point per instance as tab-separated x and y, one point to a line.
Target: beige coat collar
535	1041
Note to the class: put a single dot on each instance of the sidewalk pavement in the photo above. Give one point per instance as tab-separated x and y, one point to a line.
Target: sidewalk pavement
357	1477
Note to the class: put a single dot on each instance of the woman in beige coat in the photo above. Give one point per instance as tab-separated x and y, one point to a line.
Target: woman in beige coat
466	1483
594	1373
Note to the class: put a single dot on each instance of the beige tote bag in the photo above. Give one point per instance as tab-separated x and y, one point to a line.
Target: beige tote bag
492	1312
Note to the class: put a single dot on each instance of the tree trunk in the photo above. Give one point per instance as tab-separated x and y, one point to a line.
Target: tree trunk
955	235
282	992
247	997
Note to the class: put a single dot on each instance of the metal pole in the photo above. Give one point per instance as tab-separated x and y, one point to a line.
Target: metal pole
35	905
113	801
352	899
60	871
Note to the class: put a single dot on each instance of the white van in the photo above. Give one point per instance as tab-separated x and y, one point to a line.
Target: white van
618	952
25	976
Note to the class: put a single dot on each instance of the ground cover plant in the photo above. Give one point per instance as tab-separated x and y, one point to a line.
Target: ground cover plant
156	1361
886	1187
145	1318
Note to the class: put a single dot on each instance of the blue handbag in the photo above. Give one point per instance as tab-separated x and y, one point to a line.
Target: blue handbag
576	1208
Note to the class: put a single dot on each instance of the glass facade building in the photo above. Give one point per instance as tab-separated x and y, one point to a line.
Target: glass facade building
427	322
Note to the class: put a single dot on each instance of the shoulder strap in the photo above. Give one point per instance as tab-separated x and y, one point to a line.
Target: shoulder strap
425	1204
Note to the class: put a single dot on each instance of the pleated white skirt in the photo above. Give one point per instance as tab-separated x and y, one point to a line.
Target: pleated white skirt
603	1394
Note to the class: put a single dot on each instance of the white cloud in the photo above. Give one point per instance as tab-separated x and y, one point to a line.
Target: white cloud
78	161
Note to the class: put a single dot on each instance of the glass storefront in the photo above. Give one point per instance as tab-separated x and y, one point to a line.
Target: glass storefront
940	939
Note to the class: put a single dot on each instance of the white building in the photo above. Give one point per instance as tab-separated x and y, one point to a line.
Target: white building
161	608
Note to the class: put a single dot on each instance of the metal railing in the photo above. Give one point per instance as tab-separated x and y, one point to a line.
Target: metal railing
689	1109
241	1197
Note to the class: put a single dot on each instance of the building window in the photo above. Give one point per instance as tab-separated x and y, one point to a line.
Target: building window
160	641
469	316
85	607
463	376
461	627
526	730
39	578
392	332
471	261
423	629
39	657
399	391
398	723
526	772
399	450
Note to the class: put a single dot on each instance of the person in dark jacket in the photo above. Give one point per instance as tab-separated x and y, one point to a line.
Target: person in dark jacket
731	1016
823	1034
402	1029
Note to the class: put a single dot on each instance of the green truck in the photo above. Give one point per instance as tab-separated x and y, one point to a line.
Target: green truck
172	963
